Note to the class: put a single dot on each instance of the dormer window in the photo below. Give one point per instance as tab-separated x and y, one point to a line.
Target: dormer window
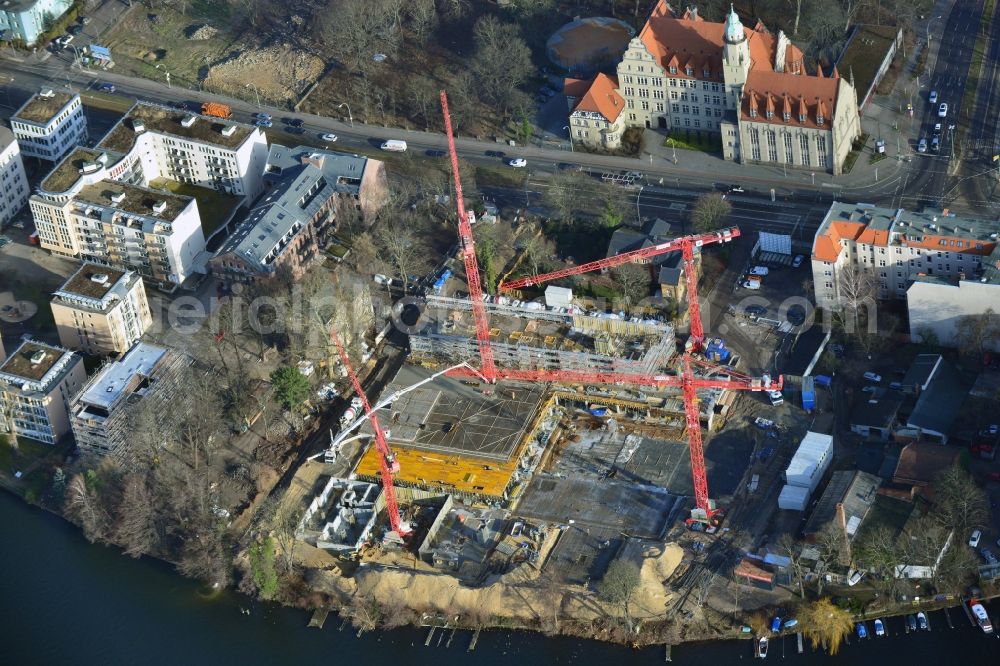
673	70
705	73
802	117
689	71
770	114
819	120
787	116
753	113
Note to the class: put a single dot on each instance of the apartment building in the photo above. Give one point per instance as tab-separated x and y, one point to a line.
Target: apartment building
14	189
306	188
25	20
50	124
154	141
945	266
596	117
101	310
147	376
746	85
151	232
37	383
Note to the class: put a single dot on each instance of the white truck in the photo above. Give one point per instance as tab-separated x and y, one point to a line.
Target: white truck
394	146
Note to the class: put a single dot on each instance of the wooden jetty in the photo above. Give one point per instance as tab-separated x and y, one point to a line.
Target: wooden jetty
475	640
318	618
430	635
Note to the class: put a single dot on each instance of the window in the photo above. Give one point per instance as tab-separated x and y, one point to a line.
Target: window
687	122
697	123
629	91
689	71
718	113
631	116
642	81
772	146
706	73
626	79
804	147
630	104
673	70
802	117
684	97
645	105
673	94
695	110
819	118
755	144
753	112
787	139
685	108
769	113
657	81
684	83
673	83
657	94
676	108
715	87
694	98
659	107
821	152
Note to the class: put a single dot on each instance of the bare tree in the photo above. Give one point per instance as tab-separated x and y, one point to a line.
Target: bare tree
423	18
403	249
856	291
959	501
979	332
634	280
84	506
135	529
502	61
281	520
361	28
787	543
422	95
619	585
709	212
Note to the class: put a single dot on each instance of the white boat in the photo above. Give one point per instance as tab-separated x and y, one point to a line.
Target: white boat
982	617
761	648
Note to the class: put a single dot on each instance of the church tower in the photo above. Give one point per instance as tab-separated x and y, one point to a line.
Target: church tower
735	58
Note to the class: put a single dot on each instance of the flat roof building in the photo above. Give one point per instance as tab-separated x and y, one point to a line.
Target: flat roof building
147	375
101	310
14	190
37	383
49	124
27	20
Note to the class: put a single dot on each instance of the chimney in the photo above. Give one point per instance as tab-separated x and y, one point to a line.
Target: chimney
159	207
38	357
228	130
117	197
188	121
138	126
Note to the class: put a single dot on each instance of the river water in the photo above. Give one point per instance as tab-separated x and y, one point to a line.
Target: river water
64	601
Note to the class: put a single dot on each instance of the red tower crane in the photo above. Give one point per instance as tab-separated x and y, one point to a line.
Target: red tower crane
386	460
488	368
687	381
684	243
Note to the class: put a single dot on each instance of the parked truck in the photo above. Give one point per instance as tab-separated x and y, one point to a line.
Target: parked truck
216	110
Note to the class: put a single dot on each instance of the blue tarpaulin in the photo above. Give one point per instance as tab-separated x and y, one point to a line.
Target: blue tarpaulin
100	52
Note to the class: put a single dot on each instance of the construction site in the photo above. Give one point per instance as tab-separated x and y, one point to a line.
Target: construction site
525	437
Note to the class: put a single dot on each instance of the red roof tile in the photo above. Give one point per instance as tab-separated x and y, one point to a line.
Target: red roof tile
810	96
602	97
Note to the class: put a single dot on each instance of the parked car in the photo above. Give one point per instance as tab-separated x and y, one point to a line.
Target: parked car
937	129
943	111
759	270
751	285
936	143
797	261
796	315
879	628
974	539
790	623
735	189
84	20
263	122
755	310
517	162
922	621
262	116
989	556
294	122
991	429
922	145
775	397
327	136
762	423
855	577
106	87
896	386
872	377
862	631
933	97
869	389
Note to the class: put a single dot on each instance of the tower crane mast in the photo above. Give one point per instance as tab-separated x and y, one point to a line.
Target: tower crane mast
386	460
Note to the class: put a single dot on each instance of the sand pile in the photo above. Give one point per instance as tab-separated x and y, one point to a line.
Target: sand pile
278	72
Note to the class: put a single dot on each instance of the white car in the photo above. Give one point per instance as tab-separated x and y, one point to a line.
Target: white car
776	397
328	137
759	270
797	261
762	423
943	111
933	97
751	285
262	116
872	377
974	539
517	162
855	577
869	389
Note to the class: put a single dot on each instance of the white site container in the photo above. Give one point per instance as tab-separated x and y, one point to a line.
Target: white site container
793	498
558	297
810	461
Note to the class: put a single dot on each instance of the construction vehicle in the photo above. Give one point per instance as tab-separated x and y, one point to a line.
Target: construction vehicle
705	515
216	110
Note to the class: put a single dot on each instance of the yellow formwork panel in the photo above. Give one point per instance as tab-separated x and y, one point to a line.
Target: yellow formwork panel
439	470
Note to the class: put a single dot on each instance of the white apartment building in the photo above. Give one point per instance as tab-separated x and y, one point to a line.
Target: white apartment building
37	383
152	232
146	375
746	85
14	189
50	124
101	310
943	265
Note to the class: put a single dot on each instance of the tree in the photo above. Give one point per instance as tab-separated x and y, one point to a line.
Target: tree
879	551
787	543
422	96
281	521
709	212
290	386
564	193
404	250
361	28
634	281
826	624
856	291
978	333
423	18
262	570
502	61
84	507
612	214
135	530
619	585
958	501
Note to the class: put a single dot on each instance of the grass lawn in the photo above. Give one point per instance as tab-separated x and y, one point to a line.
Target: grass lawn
864	55
498	176
28	451
106	101
706	142
214	207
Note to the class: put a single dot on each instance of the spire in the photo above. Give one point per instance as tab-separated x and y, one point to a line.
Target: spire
819	69
850	72
734	33
836	74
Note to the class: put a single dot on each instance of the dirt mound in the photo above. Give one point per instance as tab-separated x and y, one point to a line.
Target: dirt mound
278	73
198	32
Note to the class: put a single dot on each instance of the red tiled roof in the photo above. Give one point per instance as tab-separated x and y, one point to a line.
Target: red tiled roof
576	88
827	246
602	97
808	96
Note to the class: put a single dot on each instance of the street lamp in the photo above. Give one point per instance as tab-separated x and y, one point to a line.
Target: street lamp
349	116
255	92
673	147
638	215
929	22
569	133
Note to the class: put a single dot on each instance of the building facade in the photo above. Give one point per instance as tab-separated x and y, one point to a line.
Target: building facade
37	383
152	232
746	85
25	20
50	124
14	189
596	119
933	254
147	376
286	228
101	310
